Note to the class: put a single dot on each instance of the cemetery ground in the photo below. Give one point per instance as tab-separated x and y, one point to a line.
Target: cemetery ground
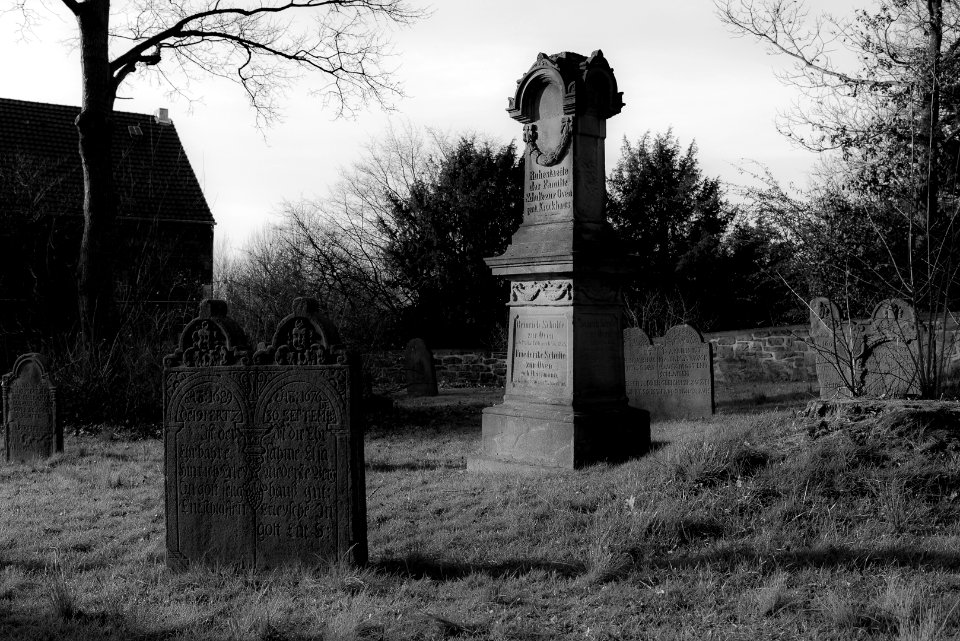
760	525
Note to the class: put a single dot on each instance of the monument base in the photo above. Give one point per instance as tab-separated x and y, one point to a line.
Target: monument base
539	438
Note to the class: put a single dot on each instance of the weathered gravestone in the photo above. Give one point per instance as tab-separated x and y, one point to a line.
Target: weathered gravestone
263	451
838	349
891	362
564	404
876	357
31	430
419	368
672	377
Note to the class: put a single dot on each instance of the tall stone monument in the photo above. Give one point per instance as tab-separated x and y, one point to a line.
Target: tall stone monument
564	403
31	430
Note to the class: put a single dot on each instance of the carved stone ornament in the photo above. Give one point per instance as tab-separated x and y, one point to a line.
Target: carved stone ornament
305	337
541	292
212	339
555	155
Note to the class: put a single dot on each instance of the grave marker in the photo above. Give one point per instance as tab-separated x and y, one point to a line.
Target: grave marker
672	377
31	430
564	404
420	371
263	451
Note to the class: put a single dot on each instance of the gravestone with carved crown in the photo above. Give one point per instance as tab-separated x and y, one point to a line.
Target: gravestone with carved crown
30	426
263	449
564	402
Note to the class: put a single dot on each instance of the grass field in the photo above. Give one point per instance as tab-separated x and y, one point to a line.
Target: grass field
755	526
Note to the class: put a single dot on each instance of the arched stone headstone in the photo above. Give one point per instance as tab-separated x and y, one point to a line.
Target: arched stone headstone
838	348
264	452
420	371
891	359
672	377
31	430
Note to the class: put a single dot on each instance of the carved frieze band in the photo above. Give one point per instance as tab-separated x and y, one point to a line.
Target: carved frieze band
541	292
552	157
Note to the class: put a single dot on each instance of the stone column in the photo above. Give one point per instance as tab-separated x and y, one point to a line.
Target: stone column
564	404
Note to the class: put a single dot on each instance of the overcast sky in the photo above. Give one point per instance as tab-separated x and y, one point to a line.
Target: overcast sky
676	65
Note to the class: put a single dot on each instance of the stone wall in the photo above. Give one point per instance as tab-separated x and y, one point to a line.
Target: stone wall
763	354
455	368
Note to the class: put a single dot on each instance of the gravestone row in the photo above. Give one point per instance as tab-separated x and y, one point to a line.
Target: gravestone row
671	377
878	355
263	449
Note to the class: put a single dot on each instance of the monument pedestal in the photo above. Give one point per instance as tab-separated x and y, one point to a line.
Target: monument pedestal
534	439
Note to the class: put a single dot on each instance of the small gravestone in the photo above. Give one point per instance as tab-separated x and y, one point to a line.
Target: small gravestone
671	378
30	423
263	451
419	368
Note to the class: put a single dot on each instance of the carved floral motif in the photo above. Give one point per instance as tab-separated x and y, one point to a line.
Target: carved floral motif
542	292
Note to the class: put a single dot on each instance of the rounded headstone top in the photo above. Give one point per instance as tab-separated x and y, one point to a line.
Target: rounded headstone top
586	85
824	314
636	337
31	365
682	334
894	318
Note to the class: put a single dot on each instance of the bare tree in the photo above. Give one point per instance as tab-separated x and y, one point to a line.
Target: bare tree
880	89
263	45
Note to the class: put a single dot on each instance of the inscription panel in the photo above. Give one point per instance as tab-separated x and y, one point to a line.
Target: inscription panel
260	466
303	471
540	358
672	378
548	192
598	340
31	430
208	500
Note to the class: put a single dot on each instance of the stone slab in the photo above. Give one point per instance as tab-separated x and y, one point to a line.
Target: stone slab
420	371
31	429
671	378
264	451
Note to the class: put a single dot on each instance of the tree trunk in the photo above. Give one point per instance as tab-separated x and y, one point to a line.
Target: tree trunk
95	127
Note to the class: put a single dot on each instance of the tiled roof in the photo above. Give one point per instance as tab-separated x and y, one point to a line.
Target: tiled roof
40	169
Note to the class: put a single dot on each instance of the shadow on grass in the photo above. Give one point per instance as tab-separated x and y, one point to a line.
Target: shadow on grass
414	466
729	558
763	403
113	626
420	567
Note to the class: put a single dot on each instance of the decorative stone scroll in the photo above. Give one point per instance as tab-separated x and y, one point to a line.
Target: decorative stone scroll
421	374
672	377
31	430
263	451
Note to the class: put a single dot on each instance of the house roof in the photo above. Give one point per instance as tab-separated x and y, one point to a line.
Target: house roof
40	170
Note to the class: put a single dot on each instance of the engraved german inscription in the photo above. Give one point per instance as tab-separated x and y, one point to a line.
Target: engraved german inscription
540	351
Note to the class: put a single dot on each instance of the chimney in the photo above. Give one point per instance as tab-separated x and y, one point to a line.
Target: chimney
162	116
